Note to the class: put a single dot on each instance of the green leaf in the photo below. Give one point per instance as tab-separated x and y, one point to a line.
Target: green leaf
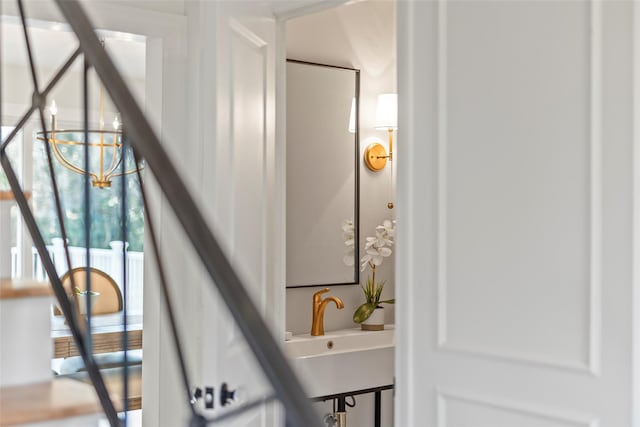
388	301
363	312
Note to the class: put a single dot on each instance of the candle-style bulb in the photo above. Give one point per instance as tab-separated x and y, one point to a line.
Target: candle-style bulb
53	108
116	123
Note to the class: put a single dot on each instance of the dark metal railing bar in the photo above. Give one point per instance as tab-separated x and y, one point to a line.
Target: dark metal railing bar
25	117
225	279
125	335
87	201
242	409
70	314
150	227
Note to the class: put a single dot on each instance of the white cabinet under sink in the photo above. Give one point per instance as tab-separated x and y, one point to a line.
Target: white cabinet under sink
343	361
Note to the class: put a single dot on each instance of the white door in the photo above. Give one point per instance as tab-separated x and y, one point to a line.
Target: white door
515	214
238	121
226	154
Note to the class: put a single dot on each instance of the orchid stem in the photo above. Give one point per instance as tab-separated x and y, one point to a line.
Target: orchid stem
372	285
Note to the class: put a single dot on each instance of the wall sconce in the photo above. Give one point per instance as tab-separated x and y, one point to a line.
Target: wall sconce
375	156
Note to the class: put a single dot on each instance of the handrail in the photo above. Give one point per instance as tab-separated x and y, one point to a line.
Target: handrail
144	141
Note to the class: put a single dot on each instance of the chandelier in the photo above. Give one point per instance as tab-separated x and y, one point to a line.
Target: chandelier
105	146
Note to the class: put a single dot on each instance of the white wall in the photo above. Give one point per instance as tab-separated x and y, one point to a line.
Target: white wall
361	36
17	90
175	7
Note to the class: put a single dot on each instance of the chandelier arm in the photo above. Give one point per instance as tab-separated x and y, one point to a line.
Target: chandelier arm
60	157
130	171
62	141
65	142
114	156
82	130
110	172
101	124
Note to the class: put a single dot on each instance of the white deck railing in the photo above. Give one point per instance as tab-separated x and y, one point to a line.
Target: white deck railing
107	260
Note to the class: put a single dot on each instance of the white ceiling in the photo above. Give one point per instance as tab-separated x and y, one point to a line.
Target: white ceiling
53	43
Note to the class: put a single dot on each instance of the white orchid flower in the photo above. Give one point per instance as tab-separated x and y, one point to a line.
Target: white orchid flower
348	228
371	241
375	256
384	252
348	233
382	240
365	262
388	229
376	248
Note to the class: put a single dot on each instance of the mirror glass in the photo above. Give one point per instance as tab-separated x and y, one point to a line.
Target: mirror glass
322	174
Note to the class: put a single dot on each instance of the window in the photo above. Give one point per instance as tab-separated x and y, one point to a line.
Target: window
106	221
29	158
14	153
106	246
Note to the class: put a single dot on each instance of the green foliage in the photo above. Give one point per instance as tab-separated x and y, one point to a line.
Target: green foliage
105	205
372	294
363	312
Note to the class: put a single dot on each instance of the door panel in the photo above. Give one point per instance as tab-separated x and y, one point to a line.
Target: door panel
514	214
238	98
517	154
457	409
248	102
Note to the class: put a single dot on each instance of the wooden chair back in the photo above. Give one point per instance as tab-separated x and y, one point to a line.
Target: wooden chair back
110	299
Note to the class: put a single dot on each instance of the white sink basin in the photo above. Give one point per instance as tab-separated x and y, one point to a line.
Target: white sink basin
343	361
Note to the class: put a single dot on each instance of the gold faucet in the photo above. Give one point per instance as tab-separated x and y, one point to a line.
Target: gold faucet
319	305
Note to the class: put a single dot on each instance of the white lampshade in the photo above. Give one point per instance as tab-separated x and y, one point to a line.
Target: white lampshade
352	116
387	111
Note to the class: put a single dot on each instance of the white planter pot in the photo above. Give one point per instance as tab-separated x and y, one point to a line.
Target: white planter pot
375	322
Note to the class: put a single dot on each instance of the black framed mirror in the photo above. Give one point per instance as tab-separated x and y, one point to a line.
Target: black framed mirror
322	175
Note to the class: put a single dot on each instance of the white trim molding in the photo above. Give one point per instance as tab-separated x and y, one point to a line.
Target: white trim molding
636	216
505	405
